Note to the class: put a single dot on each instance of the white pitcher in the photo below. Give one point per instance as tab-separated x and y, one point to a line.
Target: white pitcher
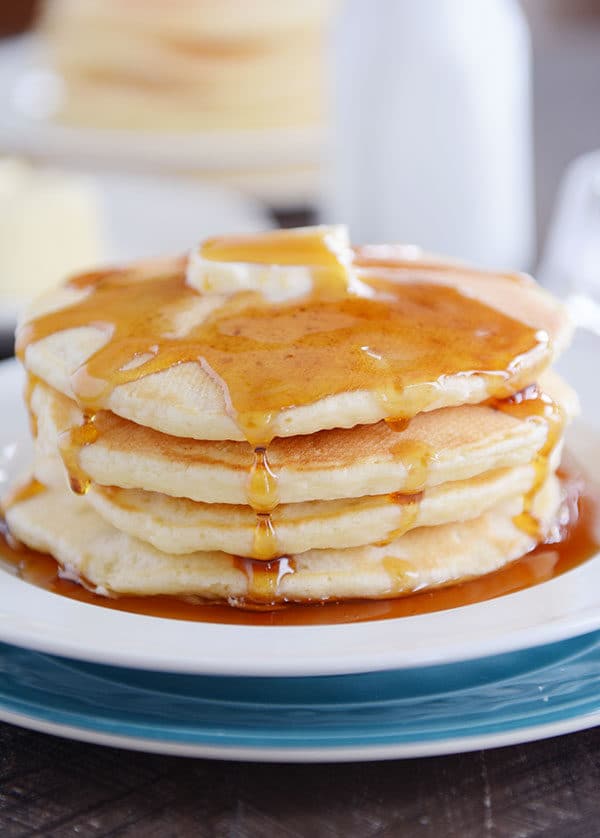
430	134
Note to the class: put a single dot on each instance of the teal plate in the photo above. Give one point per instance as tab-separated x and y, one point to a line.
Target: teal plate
499	700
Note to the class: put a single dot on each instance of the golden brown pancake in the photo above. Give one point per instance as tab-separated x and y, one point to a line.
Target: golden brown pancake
444	445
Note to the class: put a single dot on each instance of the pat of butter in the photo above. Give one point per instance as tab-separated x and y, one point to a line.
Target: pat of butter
281	264
49	229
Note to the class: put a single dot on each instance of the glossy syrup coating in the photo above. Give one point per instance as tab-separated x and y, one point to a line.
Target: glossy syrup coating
395	339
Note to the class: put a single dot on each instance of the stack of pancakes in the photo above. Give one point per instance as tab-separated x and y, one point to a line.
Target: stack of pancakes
280	418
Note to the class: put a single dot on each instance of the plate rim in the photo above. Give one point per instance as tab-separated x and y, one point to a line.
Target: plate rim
338	754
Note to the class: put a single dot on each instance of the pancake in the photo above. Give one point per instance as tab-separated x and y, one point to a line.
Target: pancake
178	525
125	342
444	445
112	562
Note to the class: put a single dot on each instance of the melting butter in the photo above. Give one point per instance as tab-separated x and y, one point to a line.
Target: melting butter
280	265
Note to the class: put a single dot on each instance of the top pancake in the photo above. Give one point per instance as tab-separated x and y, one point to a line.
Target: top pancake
414	338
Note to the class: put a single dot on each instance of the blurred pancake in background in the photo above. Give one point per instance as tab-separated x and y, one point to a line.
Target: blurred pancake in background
228	91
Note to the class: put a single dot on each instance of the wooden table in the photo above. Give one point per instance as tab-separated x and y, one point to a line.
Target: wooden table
54	788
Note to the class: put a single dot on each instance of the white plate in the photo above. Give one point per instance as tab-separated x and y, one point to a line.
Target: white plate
27	89
564	607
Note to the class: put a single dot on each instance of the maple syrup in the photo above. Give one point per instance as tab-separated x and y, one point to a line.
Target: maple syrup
69	444
263	579
271	357
22	492
265	544
263	499
408	506
532	405
417	457
30	385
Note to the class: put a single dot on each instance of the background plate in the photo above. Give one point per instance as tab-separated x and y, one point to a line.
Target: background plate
28	89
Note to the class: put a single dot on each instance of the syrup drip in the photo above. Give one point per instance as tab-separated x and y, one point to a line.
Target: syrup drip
262	484
264	578
264	545
417	458
263	498
529	404
30	385
575	543
409	512
399	571
397	425
70	443
23	492
532	405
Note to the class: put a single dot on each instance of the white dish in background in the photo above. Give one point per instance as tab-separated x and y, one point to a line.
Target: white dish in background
563	607
27	92
144	216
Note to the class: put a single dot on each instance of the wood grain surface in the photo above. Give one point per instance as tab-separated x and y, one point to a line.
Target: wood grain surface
54	788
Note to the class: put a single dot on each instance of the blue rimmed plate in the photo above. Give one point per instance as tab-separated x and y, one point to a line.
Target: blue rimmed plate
500	700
